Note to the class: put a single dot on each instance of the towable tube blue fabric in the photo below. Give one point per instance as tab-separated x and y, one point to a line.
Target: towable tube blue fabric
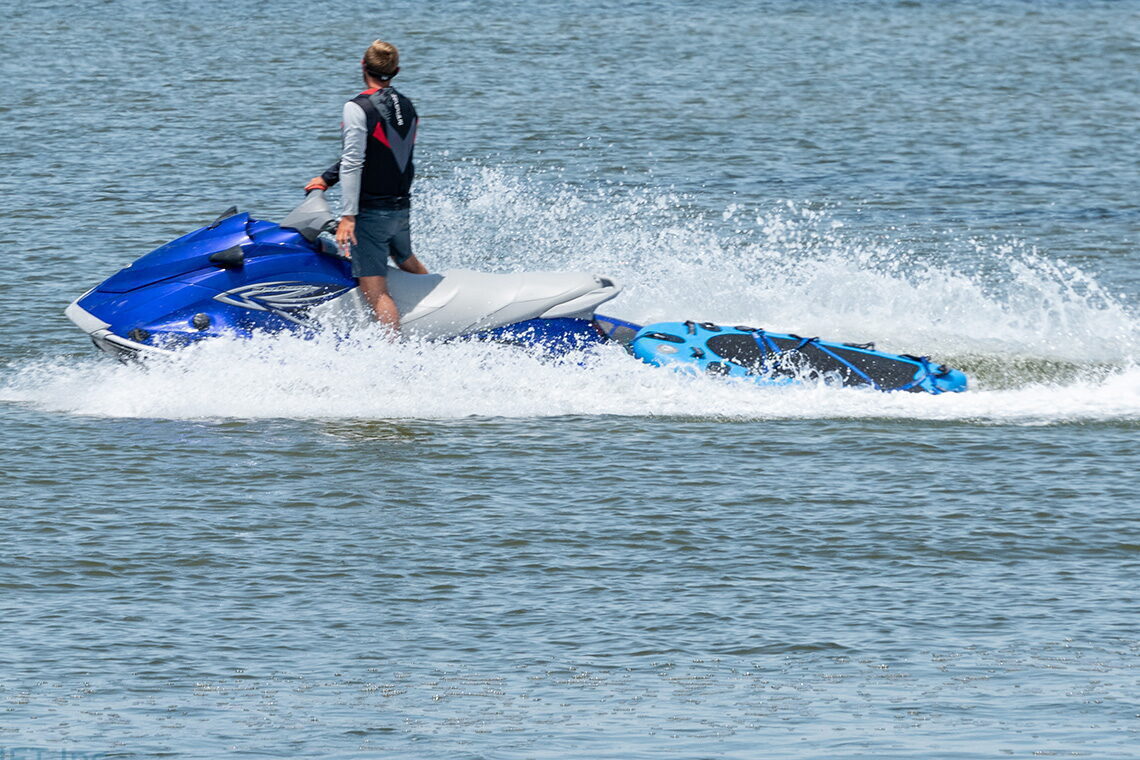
782	358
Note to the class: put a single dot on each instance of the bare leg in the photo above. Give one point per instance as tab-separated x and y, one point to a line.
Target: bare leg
375	290
413	265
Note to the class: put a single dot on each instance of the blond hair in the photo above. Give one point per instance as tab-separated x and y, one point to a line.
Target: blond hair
382	60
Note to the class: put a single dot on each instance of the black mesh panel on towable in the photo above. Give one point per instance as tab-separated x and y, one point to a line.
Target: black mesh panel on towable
787	356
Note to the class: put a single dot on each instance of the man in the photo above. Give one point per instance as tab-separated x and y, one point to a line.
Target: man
378	134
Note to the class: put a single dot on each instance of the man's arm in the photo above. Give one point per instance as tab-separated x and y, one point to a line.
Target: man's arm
350	168
354	139
331	175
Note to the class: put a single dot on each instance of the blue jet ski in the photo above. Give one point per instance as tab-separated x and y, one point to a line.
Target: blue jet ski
239	275
781	358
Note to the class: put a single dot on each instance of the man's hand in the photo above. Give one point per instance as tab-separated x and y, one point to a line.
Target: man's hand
316	183
346	235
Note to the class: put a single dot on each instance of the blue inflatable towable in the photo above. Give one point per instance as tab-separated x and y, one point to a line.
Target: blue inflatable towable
781	358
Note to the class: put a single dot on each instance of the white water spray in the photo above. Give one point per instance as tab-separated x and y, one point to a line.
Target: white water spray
1042	340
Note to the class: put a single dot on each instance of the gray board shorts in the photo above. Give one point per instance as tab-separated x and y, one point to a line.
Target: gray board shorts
380	233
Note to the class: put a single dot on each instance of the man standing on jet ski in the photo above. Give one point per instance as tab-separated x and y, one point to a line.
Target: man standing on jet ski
378	135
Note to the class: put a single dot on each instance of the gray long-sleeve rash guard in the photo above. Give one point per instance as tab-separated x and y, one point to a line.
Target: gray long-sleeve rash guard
354	141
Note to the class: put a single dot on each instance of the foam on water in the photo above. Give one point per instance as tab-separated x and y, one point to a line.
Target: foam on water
1043	341
366	377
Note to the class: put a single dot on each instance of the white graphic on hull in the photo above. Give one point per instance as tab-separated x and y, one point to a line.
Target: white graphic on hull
281	298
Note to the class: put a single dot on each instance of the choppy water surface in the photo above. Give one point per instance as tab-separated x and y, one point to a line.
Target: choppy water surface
359	549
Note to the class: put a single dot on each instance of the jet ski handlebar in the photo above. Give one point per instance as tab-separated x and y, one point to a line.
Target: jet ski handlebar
312	216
